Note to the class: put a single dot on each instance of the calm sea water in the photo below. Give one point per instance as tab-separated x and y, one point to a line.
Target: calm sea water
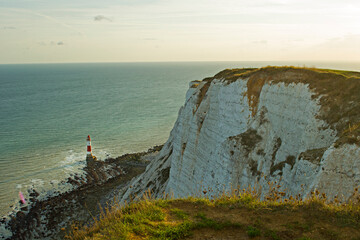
47	110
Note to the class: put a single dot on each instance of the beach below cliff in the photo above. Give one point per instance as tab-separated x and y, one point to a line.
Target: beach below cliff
100	185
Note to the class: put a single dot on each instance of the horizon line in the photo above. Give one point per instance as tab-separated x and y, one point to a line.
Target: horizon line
188	61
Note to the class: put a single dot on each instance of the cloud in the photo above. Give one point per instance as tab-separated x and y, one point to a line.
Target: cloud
8	28
296	40
48	18
149	39
342	48
260	42
349	42
100	18
52	43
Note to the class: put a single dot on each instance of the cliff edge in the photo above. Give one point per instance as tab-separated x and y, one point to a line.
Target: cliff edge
298	127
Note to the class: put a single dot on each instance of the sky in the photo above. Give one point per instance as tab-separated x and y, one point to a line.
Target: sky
49	31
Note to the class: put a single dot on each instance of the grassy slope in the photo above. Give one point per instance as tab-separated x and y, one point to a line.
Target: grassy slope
232	216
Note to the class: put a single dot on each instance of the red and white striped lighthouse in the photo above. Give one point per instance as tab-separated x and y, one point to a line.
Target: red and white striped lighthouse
88	146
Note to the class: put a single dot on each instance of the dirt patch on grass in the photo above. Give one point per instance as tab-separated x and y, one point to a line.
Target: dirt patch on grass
272	223
211	234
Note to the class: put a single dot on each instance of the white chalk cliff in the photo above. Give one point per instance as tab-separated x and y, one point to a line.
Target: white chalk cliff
299	127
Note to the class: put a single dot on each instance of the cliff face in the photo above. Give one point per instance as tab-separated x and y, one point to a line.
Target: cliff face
298	127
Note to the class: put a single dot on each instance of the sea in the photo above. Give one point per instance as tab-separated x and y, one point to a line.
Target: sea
47	111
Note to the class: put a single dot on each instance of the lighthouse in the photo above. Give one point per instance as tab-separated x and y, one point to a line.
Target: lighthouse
90	159
88	147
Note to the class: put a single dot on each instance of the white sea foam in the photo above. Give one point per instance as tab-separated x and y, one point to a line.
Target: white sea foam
72	163
5	233
54	182
37	182
103	154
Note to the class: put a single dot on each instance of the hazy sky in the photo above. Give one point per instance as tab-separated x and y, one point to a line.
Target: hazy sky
182	30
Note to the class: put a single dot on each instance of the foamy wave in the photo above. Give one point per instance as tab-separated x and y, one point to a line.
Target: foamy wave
37	182
73	162
103	154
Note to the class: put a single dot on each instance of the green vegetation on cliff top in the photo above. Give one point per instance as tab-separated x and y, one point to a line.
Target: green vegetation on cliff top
232	74
234	215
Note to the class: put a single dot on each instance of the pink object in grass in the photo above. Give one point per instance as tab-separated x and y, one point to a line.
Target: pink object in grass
22	199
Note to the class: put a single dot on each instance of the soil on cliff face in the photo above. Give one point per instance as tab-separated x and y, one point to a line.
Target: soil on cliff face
52	218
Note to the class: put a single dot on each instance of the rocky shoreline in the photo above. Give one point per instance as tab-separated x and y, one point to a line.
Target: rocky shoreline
102	182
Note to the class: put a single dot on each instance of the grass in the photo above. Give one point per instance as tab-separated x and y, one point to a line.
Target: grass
253	231
237	213
180	214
